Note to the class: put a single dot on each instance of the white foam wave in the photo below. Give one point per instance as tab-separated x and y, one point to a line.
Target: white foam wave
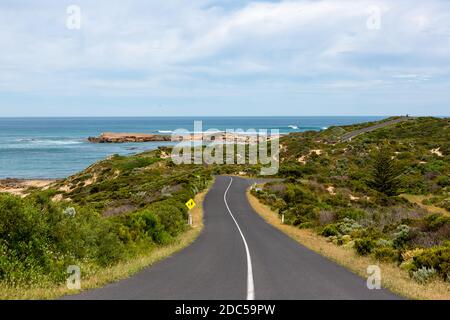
49	141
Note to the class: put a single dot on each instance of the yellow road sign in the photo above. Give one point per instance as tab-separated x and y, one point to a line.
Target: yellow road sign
190	204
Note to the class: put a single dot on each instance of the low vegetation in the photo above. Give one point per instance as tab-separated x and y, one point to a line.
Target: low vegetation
349	192
114	211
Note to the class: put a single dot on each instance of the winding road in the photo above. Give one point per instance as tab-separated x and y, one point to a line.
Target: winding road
239	256
350	135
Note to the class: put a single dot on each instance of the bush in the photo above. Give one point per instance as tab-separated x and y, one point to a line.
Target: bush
423	275
436	221
384	243
401	236
364	246
330	230
351	213
348	226
386	254
437	258
150	226
443	181
39	239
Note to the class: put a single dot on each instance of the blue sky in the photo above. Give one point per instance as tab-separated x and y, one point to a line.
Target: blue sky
212	58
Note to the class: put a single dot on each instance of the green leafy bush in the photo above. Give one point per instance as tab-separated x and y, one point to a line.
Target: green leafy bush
401	236
348	226
423	275
364	246
330	230
437	258
436	221
351	213
386	254
39	239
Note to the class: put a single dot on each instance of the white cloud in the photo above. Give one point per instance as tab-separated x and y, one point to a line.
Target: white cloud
177	46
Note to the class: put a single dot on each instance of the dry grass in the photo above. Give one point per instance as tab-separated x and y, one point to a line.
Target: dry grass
394	278
120	271
417	199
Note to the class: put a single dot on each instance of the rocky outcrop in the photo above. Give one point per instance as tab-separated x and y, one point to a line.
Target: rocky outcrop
110	137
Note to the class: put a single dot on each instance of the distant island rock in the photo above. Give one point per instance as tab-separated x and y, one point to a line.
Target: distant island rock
110	137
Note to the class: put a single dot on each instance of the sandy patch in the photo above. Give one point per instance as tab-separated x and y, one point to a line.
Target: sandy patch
302	159
331	190
437	152
65	188
20	187
164	155
92	180
57	197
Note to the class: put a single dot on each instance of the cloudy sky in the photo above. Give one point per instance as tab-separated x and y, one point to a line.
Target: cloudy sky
224	57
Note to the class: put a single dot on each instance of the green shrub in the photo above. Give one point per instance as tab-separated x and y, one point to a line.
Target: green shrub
386	254
330	230
39	239
401	235
443	181
348	226
435	221
437	258
423	275
306	225
351	213
341	240
152	226
384	243
364	246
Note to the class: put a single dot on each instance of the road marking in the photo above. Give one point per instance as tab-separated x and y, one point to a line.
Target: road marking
250	284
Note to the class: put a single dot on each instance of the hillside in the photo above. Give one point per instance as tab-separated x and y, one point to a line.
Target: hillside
115	210
384	193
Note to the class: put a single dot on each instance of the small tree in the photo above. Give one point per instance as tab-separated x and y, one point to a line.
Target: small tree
385	175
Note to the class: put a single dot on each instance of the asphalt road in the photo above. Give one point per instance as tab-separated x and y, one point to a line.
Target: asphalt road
349	136
239	256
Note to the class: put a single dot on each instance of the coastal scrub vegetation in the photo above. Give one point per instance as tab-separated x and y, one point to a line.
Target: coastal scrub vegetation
359	193
111	212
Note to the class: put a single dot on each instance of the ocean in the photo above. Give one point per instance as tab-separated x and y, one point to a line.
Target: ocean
57	147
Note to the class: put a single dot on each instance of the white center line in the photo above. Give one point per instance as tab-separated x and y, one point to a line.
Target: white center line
250	285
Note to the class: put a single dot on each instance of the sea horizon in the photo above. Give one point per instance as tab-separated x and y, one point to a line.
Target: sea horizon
229	116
